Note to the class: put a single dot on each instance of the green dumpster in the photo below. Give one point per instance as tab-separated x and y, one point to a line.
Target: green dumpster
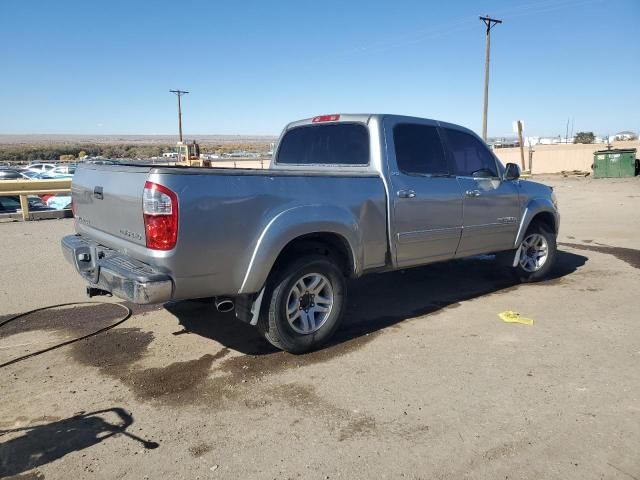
617	162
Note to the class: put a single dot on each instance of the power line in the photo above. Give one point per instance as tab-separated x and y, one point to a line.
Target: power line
490	23
179	94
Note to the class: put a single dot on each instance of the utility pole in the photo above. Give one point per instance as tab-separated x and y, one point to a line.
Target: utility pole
179	94
490	23
573	119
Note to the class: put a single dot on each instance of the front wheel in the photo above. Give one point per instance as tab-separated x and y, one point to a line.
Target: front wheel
536	254
305	306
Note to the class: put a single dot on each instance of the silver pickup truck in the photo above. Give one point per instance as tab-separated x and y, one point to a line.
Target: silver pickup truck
345	195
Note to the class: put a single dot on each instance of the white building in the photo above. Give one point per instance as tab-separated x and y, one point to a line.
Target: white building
621	136
549	140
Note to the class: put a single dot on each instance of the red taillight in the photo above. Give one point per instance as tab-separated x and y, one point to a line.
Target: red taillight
326	118
160	209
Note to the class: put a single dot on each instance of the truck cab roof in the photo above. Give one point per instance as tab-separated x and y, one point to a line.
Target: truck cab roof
375	125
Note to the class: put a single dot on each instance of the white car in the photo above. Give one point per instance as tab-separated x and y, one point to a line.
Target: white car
60	201
41	167
60	171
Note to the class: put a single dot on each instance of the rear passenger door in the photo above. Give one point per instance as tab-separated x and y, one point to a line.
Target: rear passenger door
491	206
425	198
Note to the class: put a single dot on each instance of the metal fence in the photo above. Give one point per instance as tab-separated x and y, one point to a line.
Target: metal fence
24	188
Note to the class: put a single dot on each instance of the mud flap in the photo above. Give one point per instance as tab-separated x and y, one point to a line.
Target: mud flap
516	257
248	307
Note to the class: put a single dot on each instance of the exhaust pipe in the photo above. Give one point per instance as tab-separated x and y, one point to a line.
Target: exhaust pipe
224	304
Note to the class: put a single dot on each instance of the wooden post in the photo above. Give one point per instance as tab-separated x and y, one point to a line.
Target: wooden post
24	205
521	144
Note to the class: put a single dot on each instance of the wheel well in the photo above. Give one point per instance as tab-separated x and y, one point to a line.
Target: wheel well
544	218
329	244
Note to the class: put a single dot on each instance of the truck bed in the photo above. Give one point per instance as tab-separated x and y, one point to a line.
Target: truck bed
224	214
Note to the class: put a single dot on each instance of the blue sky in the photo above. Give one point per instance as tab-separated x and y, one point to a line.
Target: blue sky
252	66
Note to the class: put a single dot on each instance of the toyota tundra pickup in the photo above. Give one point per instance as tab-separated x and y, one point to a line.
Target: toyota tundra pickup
345	195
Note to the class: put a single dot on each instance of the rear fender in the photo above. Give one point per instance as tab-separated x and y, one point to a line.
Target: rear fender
297	222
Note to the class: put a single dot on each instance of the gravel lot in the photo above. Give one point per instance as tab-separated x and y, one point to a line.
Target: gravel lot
423	381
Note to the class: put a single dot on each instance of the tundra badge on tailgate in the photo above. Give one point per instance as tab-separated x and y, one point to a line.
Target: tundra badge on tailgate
130	234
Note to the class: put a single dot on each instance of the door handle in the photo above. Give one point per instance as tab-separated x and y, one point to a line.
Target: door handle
406	193
472	193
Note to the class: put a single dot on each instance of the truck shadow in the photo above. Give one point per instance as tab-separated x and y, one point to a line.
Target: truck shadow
42	444
379	301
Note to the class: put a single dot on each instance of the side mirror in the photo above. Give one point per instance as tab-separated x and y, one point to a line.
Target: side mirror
511	172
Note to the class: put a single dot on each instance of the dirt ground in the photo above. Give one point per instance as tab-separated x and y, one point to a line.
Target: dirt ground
423	380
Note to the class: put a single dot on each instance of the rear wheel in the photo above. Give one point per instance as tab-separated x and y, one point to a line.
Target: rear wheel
536	254
305	305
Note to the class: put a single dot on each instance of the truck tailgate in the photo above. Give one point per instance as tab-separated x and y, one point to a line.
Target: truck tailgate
108	198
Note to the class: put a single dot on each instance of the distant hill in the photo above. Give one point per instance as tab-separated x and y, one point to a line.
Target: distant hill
71	139
27	148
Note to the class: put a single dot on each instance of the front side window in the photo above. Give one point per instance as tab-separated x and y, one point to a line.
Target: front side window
471	157
330	144
419	150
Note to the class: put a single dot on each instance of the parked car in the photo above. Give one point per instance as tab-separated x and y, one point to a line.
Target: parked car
60	201
11	204
345	195
30	174
60	171
10	174
101	161
41	167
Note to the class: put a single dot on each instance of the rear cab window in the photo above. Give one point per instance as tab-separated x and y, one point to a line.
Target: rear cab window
471	157
329	144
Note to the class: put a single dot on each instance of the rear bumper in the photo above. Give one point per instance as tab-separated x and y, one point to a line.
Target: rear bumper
114	272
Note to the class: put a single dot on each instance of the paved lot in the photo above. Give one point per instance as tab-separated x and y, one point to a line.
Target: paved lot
423	381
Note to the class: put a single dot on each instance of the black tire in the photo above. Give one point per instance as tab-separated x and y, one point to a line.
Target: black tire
273	323
527	276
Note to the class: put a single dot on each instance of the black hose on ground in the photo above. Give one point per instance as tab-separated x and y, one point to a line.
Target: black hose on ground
68	342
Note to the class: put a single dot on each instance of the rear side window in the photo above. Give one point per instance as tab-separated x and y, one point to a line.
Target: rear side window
471	157
334	144
419	150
